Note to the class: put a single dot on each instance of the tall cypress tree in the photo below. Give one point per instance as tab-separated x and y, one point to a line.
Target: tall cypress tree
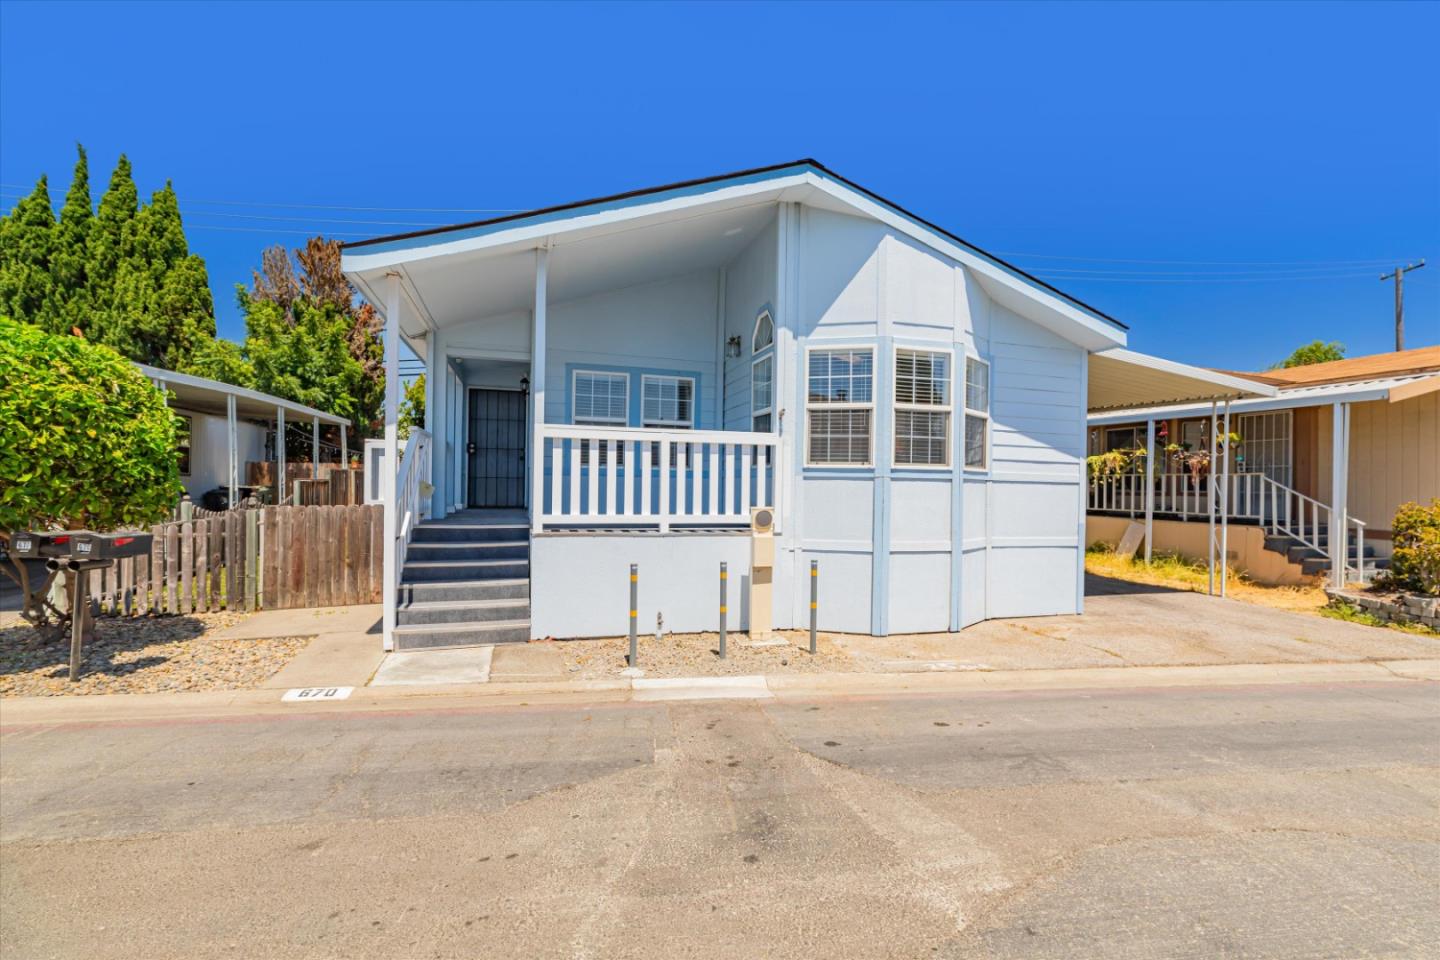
26	239
125	277
111	237
70	300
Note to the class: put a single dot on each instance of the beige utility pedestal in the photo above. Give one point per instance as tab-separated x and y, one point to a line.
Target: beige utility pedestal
762	572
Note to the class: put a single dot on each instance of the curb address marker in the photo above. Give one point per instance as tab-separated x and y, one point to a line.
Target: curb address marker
311	694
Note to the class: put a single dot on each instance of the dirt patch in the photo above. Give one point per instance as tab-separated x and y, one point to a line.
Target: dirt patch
697	655
143	655
1179	574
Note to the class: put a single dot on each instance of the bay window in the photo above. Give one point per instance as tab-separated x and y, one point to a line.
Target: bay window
840	406
922	408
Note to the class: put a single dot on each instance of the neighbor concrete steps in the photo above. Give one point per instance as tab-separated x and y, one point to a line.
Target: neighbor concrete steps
465	582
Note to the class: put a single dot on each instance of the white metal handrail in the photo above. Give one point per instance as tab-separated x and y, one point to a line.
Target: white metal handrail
1299	517
621	476
410	505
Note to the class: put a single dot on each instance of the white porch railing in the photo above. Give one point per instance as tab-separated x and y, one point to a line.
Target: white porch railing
610	476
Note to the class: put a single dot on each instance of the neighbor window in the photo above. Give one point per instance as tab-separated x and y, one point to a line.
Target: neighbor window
922	408
182	444
839	406
977	414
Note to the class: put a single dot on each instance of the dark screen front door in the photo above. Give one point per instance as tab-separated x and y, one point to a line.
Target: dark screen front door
496	448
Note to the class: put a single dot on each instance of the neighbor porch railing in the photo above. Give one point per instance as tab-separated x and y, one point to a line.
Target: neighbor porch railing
610	476
1180	494
1253	497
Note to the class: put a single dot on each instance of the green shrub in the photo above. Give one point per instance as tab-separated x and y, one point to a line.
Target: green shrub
1415	564
86	442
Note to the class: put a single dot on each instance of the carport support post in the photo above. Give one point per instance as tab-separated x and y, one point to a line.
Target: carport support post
1210	499
1149	485
279	455
1339	478
315	448
233	446
1225	503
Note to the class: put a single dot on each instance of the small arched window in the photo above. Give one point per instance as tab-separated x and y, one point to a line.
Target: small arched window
764	332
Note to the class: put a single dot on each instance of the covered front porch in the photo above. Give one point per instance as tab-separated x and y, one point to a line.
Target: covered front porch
614	381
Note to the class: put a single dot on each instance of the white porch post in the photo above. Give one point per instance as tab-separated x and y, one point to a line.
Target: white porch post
232	447
435	422
458	497
1149	485
1339	494
1210	499
315	448
345	446
390	566
1225	504
536	456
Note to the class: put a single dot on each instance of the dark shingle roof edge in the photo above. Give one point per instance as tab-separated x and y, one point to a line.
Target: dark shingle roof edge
739	174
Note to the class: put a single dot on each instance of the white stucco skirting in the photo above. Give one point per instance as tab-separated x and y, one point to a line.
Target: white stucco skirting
580	583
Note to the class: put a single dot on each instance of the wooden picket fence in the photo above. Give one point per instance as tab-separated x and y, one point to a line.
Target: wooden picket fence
270	558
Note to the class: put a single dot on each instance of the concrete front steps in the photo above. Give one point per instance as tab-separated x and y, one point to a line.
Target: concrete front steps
466	582
1312	561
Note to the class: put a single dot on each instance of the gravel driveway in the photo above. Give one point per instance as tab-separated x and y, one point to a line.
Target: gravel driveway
143	655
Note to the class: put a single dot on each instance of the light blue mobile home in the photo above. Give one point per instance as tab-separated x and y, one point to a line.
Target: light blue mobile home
620	381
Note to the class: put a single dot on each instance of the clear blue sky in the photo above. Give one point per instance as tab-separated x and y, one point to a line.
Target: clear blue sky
1275	157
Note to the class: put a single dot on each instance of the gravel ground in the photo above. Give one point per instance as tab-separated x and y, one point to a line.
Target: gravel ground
142	655
696	655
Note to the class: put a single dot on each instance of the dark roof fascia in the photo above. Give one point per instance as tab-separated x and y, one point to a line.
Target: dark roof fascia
754	173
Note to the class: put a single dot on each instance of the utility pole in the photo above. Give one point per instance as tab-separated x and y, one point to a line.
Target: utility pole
1398	275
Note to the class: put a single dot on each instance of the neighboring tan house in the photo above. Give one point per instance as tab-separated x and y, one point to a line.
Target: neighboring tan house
624	380
1284	481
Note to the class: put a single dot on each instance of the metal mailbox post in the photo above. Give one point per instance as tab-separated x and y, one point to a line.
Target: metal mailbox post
79	551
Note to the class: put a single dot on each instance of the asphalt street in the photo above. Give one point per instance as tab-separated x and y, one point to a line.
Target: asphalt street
1248	821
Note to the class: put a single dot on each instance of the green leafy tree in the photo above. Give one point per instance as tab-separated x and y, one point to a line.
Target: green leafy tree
310	339
301	354
86	442
1316	351
26	239
412	406
222	360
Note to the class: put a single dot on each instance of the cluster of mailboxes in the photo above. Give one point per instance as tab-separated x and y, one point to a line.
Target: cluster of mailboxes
74	548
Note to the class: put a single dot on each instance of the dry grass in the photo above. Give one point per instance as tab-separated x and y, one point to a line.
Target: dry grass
1170	570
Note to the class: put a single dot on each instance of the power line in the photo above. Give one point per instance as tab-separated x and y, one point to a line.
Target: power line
1296	272
1114	279
1207	263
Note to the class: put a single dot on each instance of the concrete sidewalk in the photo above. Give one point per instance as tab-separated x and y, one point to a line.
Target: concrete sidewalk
346	650
170	707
